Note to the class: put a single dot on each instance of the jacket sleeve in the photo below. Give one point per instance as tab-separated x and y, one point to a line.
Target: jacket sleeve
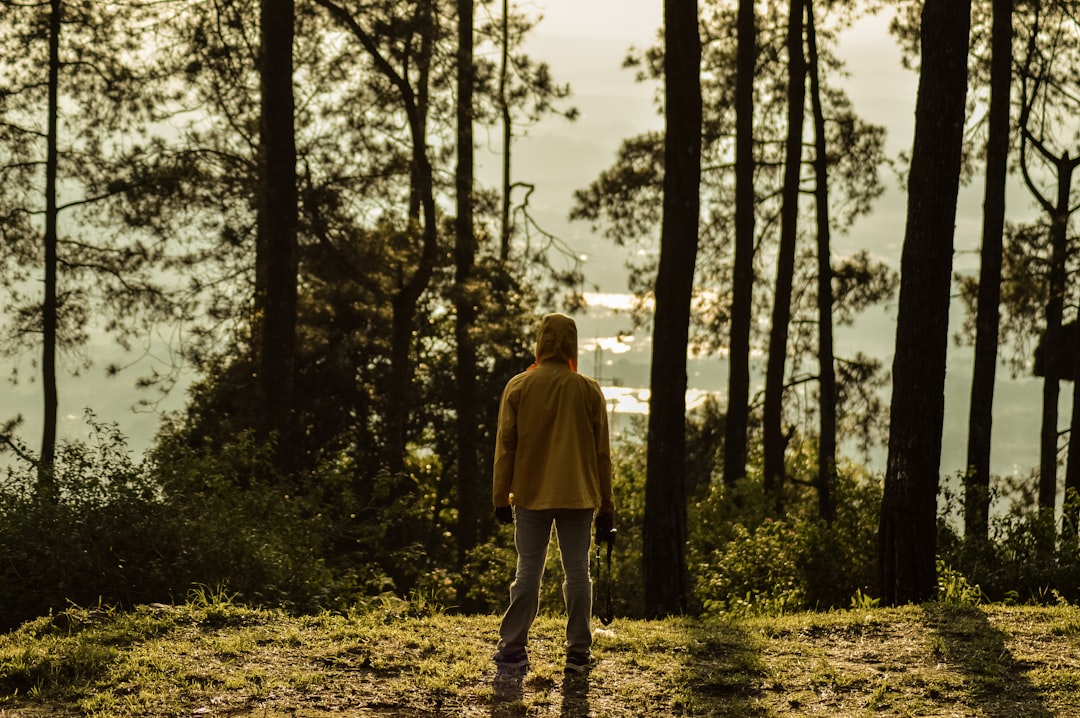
603	454
505	449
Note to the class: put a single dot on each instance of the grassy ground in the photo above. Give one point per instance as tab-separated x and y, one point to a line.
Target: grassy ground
211	658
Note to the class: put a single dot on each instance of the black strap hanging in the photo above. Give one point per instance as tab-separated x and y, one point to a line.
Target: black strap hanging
606	613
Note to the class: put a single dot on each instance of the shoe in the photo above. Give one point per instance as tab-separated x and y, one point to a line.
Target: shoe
516	661
579	662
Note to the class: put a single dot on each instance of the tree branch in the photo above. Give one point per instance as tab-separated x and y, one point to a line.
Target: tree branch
345	18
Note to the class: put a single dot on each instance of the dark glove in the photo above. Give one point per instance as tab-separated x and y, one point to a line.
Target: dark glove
605	527
504	514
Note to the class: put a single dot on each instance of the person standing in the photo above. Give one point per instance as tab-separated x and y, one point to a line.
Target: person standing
552	466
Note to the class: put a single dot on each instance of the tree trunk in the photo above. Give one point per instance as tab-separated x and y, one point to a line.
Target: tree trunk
664	524
980	420
276	233
908	511
1055	304
826	475
1058	211
406	300
508	135
1071	507
46	488
774	441
738	419
397	412
464	301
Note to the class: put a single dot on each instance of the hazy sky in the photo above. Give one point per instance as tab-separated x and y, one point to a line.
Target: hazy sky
585	41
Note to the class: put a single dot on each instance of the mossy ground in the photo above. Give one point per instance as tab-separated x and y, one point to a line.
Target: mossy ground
218	659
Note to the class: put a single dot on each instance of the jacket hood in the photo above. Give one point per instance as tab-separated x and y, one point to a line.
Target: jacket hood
557	340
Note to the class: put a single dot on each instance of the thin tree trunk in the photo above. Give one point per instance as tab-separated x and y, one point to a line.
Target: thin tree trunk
909	503
49	312
508	135
1055	304
464	301
405	302
1058	210
738	419
826	475
422	201
664	523
774	441
1052	339
1071	508
980	420
401	327
276	234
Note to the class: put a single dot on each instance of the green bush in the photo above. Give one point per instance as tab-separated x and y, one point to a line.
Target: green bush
488	572
745	560
122	532
98	537
756	571
1027	557
739	557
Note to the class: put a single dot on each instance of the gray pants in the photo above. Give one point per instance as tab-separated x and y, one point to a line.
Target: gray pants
532	531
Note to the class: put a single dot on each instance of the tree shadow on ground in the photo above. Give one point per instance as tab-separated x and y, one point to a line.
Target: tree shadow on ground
998	686
724	670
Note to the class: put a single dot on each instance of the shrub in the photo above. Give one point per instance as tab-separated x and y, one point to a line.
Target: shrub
99	537
1026	558
122	532
487	574
755	571
746	561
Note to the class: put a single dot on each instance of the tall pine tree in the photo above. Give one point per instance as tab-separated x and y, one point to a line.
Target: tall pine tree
664	527
909	504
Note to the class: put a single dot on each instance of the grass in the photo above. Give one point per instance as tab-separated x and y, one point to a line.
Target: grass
213	658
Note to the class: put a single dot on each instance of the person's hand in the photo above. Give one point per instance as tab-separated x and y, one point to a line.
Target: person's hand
504	514
605	527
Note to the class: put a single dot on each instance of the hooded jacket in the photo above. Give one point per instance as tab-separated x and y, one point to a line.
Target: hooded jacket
552	449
